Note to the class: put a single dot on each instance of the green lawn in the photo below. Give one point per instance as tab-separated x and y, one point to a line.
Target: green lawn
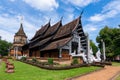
27	72
116	64
118	78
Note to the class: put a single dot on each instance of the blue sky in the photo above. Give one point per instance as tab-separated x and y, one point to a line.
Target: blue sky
97	14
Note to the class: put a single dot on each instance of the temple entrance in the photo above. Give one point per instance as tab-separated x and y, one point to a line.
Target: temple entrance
74	47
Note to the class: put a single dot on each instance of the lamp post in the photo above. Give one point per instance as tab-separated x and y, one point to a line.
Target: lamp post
103	45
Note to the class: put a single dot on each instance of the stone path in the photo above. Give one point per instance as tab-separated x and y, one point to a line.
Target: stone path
106	74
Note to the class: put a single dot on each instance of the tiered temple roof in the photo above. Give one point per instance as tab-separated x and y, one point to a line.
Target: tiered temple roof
53	29
41	31
67	29
57	44
47	36
56	36
21	31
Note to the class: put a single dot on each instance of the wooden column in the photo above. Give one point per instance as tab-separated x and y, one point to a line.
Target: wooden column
70	48
60	52
14	51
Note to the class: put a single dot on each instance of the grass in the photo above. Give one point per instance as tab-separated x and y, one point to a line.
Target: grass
118	78
116	64
27	72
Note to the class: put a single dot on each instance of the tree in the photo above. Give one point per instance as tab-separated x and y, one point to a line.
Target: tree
116	41
4	47
111	37
94	47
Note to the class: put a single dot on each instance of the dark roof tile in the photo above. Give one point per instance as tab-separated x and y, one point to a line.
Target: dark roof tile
21	31
41	31
67	29
41	42
53	29
56	44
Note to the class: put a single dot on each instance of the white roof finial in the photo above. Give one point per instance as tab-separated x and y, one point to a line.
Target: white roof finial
21	19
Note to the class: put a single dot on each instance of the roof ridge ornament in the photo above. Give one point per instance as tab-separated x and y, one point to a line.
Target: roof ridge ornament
61	18
49	20
21	19
81	13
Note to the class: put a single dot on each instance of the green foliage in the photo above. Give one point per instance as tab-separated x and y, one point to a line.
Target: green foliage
23	59
4	47
75	61
50	61
111	37
94	47
34	60
116	43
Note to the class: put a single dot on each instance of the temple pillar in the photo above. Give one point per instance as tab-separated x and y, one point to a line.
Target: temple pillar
103	44
79	46
60	52
88	48
70	48
14	52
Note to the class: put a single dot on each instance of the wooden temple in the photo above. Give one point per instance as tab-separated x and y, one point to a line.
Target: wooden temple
57	41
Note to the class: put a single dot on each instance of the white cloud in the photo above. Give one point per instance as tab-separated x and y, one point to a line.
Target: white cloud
6	35
8	22
68	17
97	17
9	25
93	29
110	10
81	3
115	4
43	5
90	27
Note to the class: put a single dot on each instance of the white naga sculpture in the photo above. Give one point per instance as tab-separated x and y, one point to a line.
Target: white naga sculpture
93	58
82	54
98	54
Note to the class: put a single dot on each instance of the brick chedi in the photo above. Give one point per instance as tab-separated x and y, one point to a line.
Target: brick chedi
20	39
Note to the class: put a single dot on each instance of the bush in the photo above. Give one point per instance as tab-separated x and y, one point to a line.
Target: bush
13	58
50	61
75	61
23	59
9	57
34	60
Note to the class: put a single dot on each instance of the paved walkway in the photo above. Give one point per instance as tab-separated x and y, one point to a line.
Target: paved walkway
106	74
